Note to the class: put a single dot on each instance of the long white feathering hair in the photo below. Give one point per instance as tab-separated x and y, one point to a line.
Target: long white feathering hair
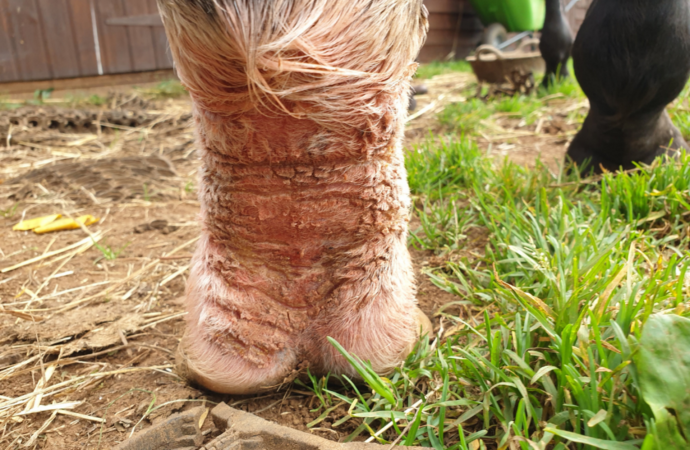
329	59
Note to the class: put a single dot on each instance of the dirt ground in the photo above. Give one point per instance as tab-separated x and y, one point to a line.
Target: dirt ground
89	331
504	135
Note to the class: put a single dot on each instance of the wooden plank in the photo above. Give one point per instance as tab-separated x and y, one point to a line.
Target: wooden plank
148	20
162	49
8	64
442	37
81	83
59	37
114	41
439	21
443	21
27	38
471	23
140	39
85	46
440	52
160	41
434	53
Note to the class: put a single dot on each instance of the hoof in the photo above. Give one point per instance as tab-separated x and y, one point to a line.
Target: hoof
425	325
596	149
420	89
224	374
413	103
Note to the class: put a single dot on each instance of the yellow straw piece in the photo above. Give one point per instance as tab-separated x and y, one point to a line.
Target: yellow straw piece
36	222
67	224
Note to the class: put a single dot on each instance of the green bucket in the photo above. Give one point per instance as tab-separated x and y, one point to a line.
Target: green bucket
515	15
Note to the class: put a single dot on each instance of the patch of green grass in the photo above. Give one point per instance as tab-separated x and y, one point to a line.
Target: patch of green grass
519	104
107	251
95	100
430	70
43	94
7	213
567	87
465	117
680	112
553	312
469	117
8	105
76	100
167	89
453	164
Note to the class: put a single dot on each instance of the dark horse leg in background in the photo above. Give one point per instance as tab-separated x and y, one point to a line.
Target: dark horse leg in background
556	43
631	58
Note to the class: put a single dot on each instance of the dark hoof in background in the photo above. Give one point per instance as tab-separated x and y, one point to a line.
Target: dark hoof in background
593	150
556	43
631	63
413	103
420	89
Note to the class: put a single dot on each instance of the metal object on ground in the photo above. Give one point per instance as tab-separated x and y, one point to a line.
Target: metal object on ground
244	431
178	432
491	65
514	39
241	431
494	35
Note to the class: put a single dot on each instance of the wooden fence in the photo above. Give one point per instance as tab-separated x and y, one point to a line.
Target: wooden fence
50	39
57	39
454	30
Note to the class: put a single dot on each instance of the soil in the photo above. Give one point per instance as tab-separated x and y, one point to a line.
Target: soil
99	325
509	135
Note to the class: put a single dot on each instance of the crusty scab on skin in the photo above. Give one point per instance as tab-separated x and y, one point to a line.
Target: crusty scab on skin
299	109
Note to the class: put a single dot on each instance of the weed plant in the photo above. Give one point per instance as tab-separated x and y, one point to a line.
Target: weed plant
7	213
107	252
539	353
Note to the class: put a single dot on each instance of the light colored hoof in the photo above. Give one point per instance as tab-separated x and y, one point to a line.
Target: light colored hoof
425	326
227	374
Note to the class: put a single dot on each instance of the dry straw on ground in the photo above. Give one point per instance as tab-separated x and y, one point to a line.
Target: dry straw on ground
91	317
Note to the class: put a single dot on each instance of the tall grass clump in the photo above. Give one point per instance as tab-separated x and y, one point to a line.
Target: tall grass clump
679	111
542	349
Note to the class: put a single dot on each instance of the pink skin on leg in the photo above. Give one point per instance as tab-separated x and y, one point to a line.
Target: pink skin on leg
304	207
227	347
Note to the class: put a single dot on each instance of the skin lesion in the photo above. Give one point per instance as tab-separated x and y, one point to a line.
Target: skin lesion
303	191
